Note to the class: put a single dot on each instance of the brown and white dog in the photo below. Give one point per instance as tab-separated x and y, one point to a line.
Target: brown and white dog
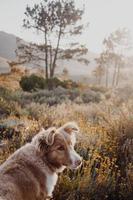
32	171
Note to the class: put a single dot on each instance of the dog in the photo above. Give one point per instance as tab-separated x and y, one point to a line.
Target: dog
31	173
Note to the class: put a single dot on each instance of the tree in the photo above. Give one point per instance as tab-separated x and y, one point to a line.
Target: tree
99	73
29	53
54	19
116	46
102	68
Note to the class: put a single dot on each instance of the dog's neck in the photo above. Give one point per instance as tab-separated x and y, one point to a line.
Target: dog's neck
51	173
51	167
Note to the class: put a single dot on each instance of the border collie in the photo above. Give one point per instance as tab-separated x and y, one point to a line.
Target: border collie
32	171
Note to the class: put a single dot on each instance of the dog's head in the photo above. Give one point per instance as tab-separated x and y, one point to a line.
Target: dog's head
57	145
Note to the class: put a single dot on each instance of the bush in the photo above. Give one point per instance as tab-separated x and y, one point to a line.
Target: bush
50	97
91	96
55	82
124	93
69	84
99	89
10	95
59	95
9	102
32	83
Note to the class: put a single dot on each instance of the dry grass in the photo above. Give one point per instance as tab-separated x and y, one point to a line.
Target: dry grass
10	81
105	143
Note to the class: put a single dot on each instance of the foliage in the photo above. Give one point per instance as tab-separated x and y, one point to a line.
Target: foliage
9	102
105	140
99	72
91	96
115	46
101	89
53	19
60	94
34	82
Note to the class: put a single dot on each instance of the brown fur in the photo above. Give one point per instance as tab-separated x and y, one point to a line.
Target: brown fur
25	175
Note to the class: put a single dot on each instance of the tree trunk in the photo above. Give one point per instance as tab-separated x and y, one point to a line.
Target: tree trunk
55	56
114	75
46	56
51	60
107	74
118	75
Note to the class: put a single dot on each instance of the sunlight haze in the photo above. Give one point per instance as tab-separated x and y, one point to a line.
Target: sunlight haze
104	16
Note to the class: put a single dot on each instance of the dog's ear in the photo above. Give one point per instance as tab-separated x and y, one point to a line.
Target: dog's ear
70	127
49	135
44	139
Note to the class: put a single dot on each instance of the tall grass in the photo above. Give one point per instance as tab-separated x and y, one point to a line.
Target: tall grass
105	142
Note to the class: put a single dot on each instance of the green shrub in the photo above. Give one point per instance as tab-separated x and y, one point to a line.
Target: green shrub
55	82
31	83
91	96
69	84
5	93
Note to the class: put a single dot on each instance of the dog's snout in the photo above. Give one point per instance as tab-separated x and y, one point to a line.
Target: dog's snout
76	160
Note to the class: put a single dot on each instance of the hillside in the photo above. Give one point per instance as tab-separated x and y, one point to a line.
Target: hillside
7	45
76	69
4	66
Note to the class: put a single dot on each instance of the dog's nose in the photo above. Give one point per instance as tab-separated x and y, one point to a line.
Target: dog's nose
78	162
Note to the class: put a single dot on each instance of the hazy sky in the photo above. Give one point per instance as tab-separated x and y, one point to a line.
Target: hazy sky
104	17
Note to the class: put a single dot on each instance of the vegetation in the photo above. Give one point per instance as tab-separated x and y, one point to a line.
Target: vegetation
105	141
103	110
113	58
33	82
53	20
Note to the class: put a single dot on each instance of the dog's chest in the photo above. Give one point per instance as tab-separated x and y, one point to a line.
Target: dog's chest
51	182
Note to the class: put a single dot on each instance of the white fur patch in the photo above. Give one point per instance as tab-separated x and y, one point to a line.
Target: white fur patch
74	157
73	139
61	169
51	181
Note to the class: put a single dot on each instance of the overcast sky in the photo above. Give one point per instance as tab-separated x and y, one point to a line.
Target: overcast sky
104	17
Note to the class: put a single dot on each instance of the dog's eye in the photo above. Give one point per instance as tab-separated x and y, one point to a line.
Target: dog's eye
60	148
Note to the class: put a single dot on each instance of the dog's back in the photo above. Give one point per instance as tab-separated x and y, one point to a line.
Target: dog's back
21	177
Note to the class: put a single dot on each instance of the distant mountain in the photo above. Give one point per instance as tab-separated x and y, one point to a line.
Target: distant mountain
7	45
7	51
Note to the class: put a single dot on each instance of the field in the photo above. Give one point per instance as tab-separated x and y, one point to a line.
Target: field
69	61
105	118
